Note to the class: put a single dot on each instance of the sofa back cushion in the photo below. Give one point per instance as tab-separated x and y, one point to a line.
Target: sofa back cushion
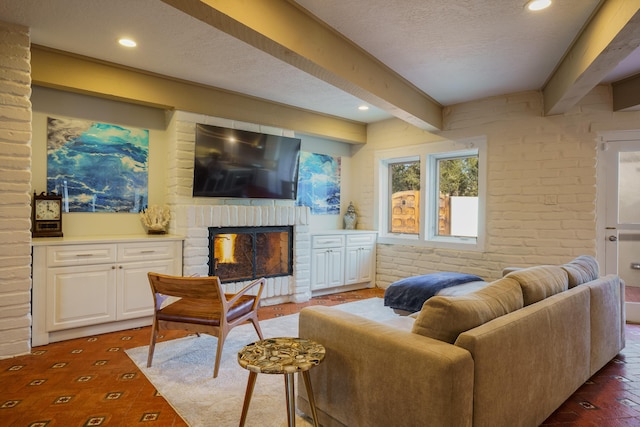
581	270
540	282
445	317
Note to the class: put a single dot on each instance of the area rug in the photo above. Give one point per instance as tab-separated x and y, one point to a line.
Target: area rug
183	368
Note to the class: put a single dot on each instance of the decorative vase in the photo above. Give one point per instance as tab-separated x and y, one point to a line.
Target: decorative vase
350	218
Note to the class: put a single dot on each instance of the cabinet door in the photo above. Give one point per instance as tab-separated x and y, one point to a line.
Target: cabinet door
365	264
358	265
336	267
134	293
327	268
352	266
319	268
80	296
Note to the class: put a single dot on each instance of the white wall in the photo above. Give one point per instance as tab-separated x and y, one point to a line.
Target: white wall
541	206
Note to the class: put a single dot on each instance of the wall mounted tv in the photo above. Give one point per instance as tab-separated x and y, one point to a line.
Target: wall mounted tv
238	163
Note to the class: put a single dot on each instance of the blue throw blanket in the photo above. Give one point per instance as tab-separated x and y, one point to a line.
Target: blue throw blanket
409	294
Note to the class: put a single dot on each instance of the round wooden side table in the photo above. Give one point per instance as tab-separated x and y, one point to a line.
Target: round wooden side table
281	356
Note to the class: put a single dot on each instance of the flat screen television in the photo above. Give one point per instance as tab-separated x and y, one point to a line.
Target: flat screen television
239	163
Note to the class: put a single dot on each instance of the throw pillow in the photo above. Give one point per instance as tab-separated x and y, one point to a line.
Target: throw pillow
540	282
581	270
444	318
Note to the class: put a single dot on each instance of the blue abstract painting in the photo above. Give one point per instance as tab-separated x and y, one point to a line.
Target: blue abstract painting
97	167
319	183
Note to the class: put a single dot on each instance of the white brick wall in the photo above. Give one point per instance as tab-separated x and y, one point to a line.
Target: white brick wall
541	182
194	216
15	187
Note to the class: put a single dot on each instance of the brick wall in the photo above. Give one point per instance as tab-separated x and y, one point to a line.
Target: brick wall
541	206
15	187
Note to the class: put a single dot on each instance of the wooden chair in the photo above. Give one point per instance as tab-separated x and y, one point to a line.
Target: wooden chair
203	307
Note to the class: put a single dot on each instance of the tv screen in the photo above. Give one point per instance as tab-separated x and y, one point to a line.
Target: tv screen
238	163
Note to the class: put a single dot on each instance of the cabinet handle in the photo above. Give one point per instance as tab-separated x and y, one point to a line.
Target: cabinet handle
120	267
84	255
147	252
113	267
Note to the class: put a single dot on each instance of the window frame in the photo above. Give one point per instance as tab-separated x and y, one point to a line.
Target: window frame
428	154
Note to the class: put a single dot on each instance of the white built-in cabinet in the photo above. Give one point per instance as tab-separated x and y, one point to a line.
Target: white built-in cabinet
342	260
88	286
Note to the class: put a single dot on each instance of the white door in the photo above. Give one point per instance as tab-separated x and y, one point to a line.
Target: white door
620	157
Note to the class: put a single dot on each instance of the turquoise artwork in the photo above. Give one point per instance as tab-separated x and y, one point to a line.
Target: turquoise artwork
97	167
319	183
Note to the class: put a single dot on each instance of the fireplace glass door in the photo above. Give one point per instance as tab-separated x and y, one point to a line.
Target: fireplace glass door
245	253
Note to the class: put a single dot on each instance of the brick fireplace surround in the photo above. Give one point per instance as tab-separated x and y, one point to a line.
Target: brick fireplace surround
192	217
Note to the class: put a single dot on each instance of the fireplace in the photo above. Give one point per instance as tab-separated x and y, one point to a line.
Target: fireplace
244	253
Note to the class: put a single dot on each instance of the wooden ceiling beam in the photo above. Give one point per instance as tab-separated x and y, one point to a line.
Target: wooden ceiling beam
288	32
609	37
626	94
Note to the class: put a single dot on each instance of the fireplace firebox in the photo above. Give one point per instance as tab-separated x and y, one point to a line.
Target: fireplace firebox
245	253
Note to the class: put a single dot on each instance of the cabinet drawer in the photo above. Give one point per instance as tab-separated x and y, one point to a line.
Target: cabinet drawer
61	256
146	251
361	239
330	241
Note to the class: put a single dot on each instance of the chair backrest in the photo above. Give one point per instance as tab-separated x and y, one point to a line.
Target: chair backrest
207	287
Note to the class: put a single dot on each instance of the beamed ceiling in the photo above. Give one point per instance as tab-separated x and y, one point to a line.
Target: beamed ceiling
403	58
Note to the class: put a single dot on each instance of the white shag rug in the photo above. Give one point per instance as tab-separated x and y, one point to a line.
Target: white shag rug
182	372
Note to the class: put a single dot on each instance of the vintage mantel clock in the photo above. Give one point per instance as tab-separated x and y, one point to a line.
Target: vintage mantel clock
47	215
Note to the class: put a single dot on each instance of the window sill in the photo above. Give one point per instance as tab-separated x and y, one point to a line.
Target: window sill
412	240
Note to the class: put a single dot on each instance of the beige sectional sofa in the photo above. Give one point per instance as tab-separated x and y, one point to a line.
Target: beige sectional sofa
508	354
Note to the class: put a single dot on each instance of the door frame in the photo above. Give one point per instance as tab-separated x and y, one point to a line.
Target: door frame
607	254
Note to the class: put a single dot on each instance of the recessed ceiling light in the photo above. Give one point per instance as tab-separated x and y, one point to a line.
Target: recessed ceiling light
538	4
363	107
127	42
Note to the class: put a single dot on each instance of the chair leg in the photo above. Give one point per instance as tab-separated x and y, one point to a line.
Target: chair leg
216	367
152	343
256	325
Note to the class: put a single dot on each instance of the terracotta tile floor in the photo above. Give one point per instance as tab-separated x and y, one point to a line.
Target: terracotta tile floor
632	294
92	382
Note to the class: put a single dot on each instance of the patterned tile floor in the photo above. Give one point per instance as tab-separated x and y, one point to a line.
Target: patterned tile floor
92	382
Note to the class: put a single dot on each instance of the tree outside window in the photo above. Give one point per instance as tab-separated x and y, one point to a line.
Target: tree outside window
458	196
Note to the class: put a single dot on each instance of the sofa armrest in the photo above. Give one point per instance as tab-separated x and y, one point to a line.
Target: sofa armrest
374	374
607	319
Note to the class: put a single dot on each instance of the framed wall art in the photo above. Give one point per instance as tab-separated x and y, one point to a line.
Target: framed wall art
319	183
97	167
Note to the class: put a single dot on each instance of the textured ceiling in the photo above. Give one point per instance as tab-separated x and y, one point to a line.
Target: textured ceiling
452	51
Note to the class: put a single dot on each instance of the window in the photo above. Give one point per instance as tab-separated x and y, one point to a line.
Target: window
434	197
404	197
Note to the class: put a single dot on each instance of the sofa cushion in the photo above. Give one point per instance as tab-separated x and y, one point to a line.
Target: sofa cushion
540	282
445	317
581	270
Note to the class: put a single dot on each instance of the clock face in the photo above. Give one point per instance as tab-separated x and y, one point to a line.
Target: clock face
48	209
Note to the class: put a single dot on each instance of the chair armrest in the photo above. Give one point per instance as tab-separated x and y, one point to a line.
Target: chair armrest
247	288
